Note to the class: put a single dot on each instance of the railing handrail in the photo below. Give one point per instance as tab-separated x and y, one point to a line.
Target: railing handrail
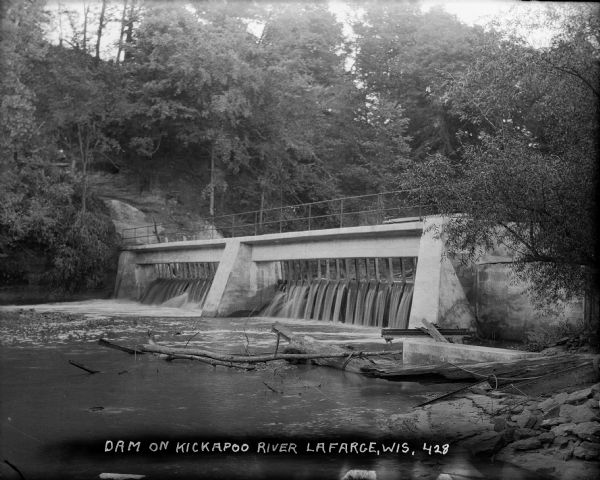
297	205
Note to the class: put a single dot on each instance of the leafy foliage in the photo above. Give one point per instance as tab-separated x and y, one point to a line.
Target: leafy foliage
527	177
42	208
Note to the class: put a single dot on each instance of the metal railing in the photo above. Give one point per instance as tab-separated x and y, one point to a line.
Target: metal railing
373	209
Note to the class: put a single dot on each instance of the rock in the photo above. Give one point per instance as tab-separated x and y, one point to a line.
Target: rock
556	350
561	397
563	440
566	452
546	437
496	393
518	409
527	444
577	413
444	476
589	431
592	403
486	442
595	388
360	475
548	405
552	422
563	429
525	433
587	451
499	424
579	395
526	420
508	435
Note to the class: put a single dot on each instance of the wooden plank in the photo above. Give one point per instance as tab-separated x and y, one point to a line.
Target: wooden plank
434	332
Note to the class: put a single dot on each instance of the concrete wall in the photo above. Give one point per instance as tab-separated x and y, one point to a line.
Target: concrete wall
504	309
439	296
240	285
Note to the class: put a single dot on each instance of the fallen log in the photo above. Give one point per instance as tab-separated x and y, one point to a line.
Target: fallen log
131	351
501	372
268	357
327	355
210	361
83	367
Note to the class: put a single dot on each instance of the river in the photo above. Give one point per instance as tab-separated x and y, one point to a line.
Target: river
58	421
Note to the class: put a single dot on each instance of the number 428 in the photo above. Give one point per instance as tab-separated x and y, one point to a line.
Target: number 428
435	448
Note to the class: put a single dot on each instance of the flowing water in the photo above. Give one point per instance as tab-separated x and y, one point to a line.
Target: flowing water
56	418
368	303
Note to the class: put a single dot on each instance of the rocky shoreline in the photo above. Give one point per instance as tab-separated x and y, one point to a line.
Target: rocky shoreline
554	437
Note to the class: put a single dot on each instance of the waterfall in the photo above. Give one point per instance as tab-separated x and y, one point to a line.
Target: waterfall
330	291
179	284
162	290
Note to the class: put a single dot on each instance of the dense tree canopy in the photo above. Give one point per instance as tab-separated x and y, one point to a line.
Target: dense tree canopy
256	105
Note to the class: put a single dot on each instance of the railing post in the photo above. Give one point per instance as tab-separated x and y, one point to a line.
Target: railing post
255	223
309	214
341	213
280	219
379	208
232	225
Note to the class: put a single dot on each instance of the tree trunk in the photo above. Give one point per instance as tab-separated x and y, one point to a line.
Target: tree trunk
86	11
100	28
122	32
129	31
84	147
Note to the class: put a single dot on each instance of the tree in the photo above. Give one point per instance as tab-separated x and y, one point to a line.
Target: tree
408	56
527	177
42	213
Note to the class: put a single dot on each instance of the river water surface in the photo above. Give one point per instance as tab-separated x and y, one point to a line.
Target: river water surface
57	419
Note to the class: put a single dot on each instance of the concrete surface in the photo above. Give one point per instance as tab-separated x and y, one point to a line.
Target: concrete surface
427	352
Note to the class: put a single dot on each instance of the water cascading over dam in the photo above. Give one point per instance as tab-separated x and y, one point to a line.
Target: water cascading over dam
360	291
188	282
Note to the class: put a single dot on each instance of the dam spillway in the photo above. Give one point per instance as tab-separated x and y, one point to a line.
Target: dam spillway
189	282
388	275
359	291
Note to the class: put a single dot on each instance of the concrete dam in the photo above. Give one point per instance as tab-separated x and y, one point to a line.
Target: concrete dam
387	275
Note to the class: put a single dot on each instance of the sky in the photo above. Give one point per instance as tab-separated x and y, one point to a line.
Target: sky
468	11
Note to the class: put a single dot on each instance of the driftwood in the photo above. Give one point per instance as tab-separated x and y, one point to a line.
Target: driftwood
498	372
83	367
330	355
210	361
267	357
449	394
131	351
431	330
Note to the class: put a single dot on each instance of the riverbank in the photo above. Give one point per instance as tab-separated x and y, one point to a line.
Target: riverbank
554	437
